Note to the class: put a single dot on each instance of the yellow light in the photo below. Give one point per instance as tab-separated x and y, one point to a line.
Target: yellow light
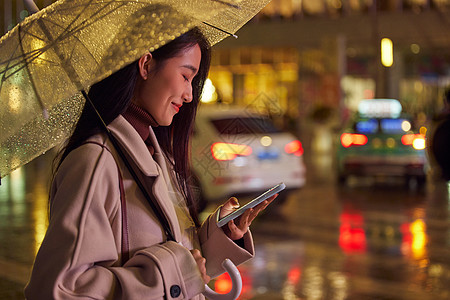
415	48
419	143
38	46
266	141
387	52
419	238
423	130
390	142
14	103
209	92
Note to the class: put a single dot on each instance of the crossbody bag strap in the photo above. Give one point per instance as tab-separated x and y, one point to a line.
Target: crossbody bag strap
125	245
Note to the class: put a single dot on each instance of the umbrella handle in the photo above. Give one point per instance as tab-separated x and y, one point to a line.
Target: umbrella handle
235	279
31	6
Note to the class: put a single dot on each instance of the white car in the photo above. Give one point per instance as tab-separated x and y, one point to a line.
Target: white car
237	152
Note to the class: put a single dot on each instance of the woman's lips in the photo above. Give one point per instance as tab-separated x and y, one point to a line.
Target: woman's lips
176	107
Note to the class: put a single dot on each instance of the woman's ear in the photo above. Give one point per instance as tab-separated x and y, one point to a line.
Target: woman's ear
144	65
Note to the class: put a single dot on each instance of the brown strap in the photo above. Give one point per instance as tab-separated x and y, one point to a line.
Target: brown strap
125	247
125	242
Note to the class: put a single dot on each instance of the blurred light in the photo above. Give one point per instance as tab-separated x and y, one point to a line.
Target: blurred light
38	51
229	151
294	275
419	143
14	102
18	188
423	130
419	238
266	141
352	237
209	92
294	147
415	48
387	52
406	126
350	139
390	142
223	284
39	214
23	14
415	140
380	108
418	87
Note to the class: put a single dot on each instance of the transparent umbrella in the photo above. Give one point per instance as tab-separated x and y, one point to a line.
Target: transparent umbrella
51	56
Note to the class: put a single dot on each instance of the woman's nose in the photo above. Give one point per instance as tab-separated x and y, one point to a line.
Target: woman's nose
187	95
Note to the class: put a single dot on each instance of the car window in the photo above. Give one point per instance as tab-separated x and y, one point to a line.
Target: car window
244	125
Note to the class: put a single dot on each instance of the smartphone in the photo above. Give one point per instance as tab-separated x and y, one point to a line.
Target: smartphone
267	194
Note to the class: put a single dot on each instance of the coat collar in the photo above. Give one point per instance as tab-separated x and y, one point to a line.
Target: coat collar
132	143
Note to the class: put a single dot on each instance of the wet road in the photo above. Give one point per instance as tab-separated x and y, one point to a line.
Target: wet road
367	240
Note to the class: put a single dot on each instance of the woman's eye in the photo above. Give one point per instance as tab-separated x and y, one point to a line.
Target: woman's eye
185	78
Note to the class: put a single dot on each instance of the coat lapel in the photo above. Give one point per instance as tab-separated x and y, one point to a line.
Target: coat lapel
154	178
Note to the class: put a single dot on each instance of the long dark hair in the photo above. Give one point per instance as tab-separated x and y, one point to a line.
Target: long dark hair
113	95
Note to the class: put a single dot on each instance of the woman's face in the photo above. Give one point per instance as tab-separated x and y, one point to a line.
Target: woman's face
162	92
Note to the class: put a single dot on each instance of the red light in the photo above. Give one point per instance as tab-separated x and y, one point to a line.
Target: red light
413	140
407	139
294	275
294	147
223	284
350	139
352	237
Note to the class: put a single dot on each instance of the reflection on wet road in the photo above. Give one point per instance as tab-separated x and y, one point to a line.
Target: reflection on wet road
367	240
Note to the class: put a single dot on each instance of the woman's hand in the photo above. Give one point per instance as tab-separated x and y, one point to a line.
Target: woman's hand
236	230
201	263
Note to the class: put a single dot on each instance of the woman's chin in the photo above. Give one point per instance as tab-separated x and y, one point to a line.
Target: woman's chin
165	122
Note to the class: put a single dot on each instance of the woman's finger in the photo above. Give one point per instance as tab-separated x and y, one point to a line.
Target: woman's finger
201	264
229	206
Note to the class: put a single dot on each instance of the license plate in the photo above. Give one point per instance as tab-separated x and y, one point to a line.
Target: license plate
268	155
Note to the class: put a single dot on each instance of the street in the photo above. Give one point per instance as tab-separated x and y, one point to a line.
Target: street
366	240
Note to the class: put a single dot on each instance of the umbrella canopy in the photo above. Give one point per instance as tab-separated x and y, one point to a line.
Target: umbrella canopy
51	56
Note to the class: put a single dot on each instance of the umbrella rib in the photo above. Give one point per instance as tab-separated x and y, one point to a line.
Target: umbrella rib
220	29
227	3
38	97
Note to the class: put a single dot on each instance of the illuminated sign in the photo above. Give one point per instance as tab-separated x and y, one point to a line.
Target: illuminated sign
380	108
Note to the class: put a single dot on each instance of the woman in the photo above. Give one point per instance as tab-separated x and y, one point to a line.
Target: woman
104	241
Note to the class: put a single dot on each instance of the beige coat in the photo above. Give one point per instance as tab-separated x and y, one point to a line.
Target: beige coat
80	255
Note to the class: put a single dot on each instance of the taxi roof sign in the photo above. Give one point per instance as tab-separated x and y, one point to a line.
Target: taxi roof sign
380	108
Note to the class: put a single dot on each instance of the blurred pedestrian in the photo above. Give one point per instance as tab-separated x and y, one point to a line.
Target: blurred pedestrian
104	241
439	145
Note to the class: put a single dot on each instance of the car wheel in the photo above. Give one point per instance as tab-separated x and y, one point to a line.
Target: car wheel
416	182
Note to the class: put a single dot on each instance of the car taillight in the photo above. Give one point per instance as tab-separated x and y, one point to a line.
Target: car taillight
353	139
294	147
417	141
229	151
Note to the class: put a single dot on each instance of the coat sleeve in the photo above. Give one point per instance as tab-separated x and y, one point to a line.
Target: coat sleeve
78	258
217	246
